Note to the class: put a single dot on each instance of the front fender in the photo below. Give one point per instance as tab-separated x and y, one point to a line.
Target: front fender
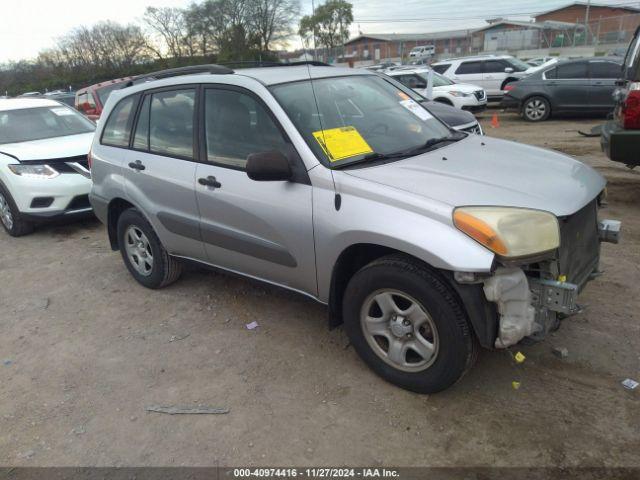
407	223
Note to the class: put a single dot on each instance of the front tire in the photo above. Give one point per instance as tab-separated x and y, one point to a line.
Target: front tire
10	216
408	325
536	109
143	254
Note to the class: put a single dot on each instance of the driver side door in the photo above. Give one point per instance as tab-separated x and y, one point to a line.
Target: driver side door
262	229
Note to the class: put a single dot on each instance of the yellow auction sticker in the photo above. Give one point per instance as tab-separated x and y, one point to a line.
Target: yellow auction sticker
341	143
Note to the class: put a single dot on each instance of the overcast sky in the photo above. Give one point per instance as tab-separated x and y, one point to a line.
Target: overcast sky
28	26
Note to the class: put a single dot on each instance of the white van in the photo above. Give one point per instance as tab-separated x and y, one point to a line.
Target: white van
422	51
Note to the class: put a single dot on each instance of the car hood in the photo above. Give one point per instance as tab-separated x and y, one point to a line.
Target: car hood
459	87
490	172
452	116
50	148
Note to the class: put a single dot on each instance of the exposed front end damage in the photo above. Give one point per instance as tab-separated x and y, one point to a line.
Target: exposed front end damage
532	297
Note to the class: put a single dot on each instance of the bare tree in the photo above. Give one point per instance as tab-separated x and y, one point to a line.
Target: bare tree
272	20
169	25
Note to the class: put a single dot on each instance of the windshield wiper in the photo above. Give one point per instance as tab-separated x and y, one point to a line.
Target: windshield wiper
373	156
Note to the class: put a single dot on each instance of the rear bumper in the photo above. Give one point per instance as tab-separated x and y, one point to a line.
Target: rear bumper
620	145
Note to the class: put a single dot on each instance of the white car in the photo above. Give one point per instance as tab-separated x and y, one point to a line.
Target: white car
459	95
44	172
491	72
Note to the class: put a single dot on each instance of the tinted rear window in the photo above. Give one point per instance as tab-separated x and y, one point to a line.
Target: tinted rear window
118	127
469	67
572	70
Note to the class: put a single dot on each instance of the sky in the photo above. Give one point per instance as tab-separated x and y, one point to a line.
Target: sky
29	26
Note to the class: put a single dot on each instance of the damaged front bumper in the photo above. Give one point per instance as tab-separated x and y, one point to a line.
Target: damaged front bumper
530	302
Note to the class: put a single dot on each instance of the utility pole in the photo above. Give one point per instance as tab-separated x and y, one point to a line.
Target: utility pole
313	14
586	23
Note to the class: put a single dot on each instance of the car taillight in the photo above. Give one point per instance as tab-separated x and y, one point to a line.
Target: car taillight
509	87
89	159
630	108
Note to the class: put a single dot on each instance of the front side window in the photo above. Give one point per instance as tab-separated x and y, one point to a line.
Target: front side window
572	70
26	124
117	130
236	126
605	70
171	123
469	67
357	116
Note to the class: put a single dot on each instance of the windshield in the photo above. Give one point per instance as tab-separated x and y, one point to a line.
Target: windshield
28	124
519	65
438	80
104	92
356	116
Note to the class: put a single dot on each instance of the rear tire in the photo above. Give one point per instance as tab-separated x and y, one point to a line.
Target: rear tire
536	109
142	252
10	216
398	304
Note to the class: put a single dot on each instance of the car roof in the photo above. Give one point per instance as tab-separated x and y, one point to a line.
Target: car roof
277	75
21	103
106	83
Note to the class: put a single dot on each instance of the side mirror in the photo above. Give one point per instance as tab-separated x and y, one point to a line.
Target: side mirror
268	166
508	70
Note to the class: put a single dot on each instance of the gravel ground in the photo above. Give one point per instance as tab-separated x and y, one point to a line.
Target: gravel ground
84	350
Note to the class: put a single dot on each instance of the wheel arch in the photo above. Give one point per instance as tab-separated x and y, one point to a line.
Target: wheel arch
444	100
114	210
507	81
482	314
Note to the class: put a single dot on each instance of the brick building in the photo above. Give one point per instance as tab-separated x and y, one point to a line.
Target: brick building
607	24
398	45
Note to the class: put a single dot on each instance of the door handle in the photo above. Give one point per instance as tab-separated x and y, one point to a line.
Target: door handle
209	182
137	165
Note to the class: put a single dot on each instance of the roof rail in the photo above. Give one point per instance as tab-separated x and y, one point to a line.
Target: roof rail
174	72
263	64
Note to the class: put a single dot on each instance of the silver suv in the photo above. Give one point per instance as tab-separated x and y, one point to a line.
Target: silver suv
338	184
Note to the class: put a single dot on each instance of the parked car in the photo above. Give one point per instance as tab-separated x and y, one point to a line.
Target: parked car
43	163
422	51
536	62
581	86
337	184
68	98
91	100
454	117
620	137
491	72
459	95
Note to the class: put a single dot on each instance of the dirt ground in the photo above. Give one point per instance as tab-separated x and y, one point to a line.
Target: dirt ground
84	349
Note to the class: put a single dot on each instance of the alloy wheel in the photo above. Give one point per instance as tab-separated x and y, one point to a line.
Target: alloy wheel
138	250
5	213
399	330
535	109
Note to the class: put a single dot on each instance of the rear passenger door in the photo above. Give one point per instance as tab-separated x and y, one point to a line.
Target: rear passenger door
493	75
160	168
470	72
603	76
568	86
262	229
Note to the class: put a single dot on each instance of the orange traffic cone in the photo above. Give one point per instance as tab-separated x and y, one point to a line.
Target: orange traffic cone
495	123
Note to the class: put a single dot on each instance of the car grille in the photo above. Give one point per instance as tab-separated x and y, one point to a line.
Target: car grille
476	129
579	244
480	94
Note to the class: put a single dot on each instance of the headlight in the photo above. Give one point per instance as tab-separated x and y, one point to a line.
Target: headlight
33	171
456	93
509	232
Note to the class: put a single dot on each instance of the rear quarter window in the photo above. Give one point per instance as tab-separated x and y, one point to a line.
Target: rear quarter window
117	129
441	68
